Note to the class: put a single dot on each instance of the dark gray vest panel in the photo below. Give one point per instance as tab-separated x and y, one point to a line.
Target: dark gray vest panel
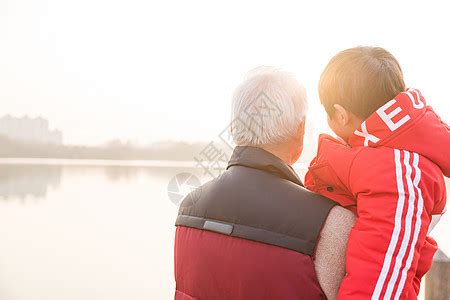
259	198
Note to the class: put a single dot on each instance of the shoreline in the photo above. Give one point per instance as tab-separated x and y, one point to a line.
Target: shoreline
111	162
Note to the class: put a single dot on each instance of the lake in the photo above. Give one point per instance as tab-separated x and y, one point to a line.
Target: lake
93	230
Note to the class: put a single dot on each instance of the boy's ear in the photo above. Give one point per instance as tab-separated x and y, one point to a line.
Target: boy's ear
341	114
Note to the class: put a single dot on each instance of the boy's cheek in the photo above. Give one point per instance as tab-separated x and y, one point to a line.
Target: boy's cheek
339	130
329	122
333	126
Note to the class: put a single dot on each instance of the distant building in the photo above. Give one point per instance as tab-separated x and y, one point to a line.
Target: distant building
28	129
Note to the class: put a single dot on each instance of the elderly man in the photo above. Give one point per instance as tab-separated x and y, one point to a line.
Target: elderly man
255	232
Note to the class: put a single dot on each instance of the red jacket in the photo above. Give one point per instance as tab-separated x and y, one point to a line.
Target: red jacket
391	175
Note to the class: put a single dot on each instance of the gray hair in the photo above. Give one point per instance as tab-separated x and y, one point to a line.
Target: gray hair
267	108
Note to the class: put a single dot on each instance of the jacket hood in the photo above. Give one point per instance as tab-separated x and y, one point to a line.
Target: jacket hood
407	123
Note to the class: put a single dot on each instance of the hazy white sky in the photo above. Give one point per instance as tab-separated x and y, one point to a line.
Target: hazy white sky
146	71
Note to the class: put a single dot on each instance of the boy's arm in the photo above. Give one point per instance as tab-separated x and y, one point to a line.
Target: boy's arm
330	253
395	192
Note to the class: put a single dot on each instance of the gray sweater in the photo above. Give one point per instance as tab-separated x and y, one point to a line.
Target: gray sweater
330	253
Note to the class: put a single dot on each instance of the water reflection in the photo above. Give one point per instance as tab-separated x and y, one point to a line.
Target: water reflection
121	173
101	232
21	181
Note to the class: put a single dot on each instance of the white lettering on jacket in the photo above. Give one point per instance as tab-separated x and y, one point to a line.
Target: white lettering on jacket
387	118
418	105
366	135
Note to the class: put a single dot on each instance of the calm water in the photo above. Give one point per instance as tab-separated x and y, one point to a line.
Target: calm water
86	230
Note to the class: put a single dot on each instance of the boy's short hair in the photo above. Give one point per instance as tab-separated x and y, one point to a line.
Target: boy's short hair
360	79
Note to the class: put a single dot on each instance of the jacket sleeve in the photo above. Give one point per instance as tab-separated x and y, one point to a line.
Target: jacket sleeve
394	191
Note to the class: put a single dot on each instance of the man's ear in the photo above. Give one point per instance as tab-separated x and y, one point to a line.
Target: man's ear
301	127
341	115
301	130
298	142
300	136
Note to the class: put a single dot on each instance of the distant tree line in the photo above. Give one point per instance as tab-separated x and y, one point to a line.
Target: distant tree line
113	150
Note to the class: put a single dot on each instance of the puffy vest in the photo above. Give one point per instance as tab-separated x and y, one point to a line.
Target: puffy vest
249	234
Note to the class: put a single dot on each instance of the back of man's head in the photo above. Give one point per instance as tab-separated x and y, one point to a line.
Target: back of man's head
268	107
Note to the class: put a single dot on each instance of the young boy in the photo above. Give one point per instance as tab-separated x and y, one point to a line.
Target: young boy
387	167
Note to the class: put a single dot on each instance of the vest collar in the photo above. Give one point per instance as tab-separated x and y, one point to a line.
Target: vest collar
257	158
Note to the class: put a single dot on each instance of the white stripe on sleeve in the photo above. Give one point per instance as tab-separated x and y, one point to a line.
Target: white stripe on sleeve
397	227
407	233
417	227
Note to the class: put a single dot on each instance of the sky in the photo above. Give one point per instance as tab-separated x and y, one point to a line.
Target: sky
151	71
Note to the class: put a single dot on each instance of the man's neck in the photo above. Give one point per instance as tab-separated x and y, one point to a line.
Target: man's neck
283	153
